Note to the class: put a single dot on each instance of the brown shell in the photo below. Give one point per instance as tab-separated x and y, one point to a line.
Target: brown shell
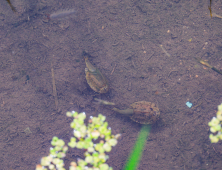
145	112
97	81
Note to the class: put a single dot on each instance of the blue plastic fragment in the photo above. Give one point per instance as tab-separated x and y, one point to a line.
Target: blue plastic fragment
189	104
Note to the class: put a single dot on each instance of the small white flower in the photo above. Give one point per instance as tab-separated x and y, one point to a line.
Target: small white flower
77	134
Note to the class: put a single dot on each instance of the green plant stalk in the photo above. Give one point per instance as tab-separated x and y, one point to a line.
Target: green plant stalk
135	156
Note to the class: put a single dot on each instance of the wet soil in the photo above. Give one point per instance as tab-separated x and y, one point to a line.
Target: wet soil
145	48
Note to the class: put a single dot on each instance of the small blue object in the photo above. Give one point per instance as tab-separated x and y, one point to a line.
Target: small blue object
189	104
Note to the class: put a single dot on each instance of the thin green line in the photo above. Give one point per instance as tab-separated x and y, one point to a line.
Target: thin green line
137	152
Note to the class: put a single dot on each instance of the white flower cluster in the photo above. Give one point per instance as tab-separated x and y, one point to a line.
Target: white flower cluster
215	126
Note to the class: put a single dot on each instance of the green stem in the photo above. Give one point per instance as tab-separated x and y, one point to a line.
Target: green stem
135	156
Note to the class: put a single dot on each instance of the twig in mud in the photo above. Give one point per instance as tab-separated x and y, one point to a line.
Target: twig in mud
214	150
161	46
197	105
171	72
113	69
12	7
104	102
215	15
54	87
209	7
208	65
115	44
